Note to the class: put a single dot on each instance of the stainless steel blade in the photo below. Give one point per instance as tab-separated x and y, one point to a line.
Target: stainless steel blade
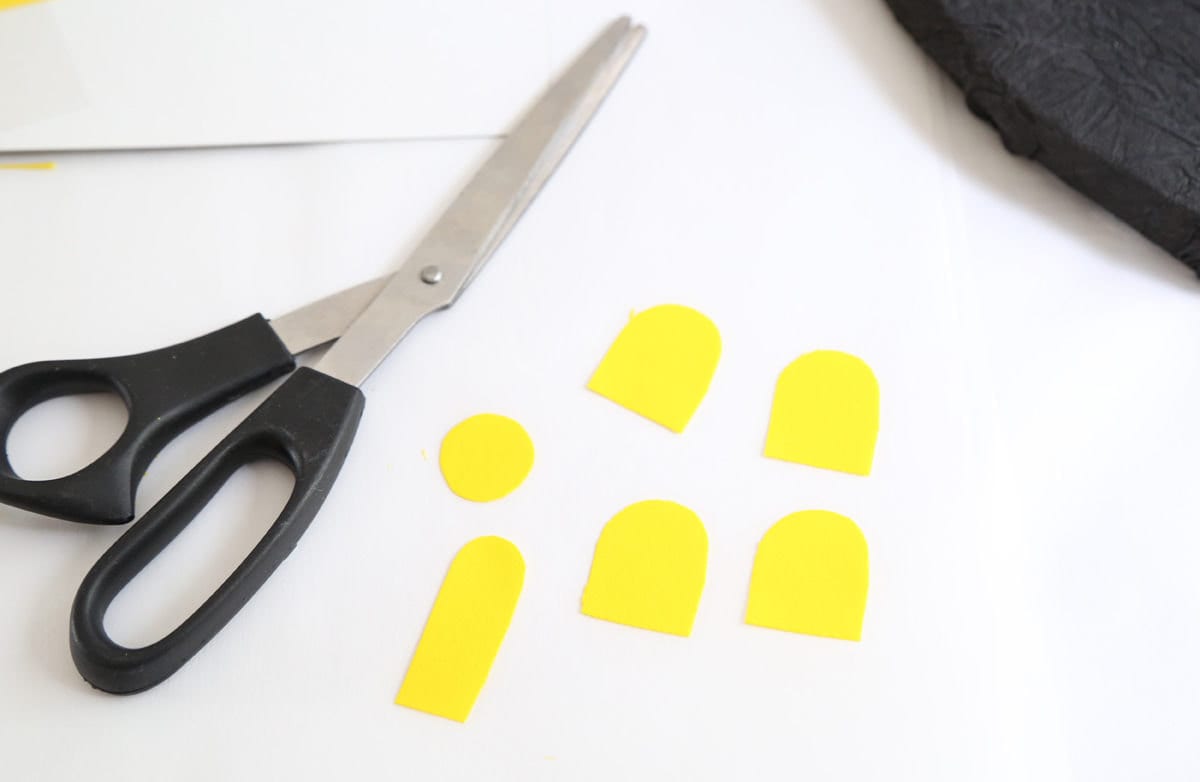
468	232
326	319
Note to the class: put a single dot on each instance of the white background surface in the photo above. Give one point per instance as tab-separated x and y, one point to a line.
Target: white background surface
138	73
796	171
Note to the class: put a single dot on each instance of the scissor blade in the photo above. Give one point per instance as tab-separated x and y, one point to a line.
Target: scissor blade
466	235
326	319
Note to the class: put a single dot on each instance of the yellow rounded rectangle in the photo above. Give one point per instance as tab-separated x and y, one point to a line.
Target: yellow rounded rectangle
810	576
661	364
649	568
826	413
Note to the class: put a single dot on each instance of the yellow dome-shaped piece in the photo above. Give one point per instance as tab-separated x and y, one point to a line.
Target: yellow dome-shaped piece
465	629
826	413
810	576
661	364
649	568
486	457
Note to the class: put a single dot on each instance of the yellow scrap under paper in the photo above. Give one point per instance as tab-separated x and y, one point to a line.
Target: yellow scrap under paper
486	457
42	166
661	364
7	4
465	629
826	413
649	568
810	576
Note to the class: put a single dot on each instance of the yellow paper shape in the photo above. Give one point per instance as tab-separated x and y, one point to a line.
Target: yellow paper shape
661	364
826	413
649	568
465	629
486	457
46	166
810	576
7	4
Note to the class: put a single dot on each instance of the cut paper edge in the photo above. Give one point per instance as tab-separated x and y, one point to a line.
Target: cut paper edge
825	413
486	457
465	629
661	364
649	568
811	576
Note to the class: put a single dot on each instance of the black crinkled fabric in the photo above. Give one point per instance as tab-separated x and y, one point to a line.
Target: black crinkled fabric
1104	93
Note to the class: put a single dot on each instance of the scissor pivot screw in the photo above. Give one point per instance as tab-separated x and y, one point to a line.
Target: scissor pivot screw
431	275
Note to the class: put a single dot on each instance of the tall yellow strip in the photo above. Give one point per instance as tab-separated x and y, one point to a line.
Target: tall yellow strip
465	629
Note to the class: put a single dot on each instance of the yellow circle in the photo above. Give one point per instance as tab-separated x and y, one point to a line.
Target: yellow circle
485	457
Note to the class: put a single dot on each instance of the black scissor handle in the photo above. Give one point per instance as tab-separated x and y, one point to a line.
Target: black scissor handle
165	391
308	425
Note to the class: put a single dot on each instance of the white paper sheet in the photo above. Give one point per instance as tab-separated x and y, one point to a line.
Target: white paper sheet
38	79
801	174
212	72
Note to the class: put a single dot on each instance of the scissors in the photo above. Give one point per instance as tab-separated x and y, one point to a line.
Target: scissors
309	422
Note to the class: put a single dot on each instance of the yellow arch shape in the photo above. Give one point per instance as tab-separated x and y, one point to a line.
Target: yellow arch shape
826	413
649	568
810	576
661	364
465	629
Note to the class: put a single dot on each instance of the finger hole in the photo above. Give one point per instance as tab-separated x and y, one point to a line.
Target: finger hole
62	436
193	565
